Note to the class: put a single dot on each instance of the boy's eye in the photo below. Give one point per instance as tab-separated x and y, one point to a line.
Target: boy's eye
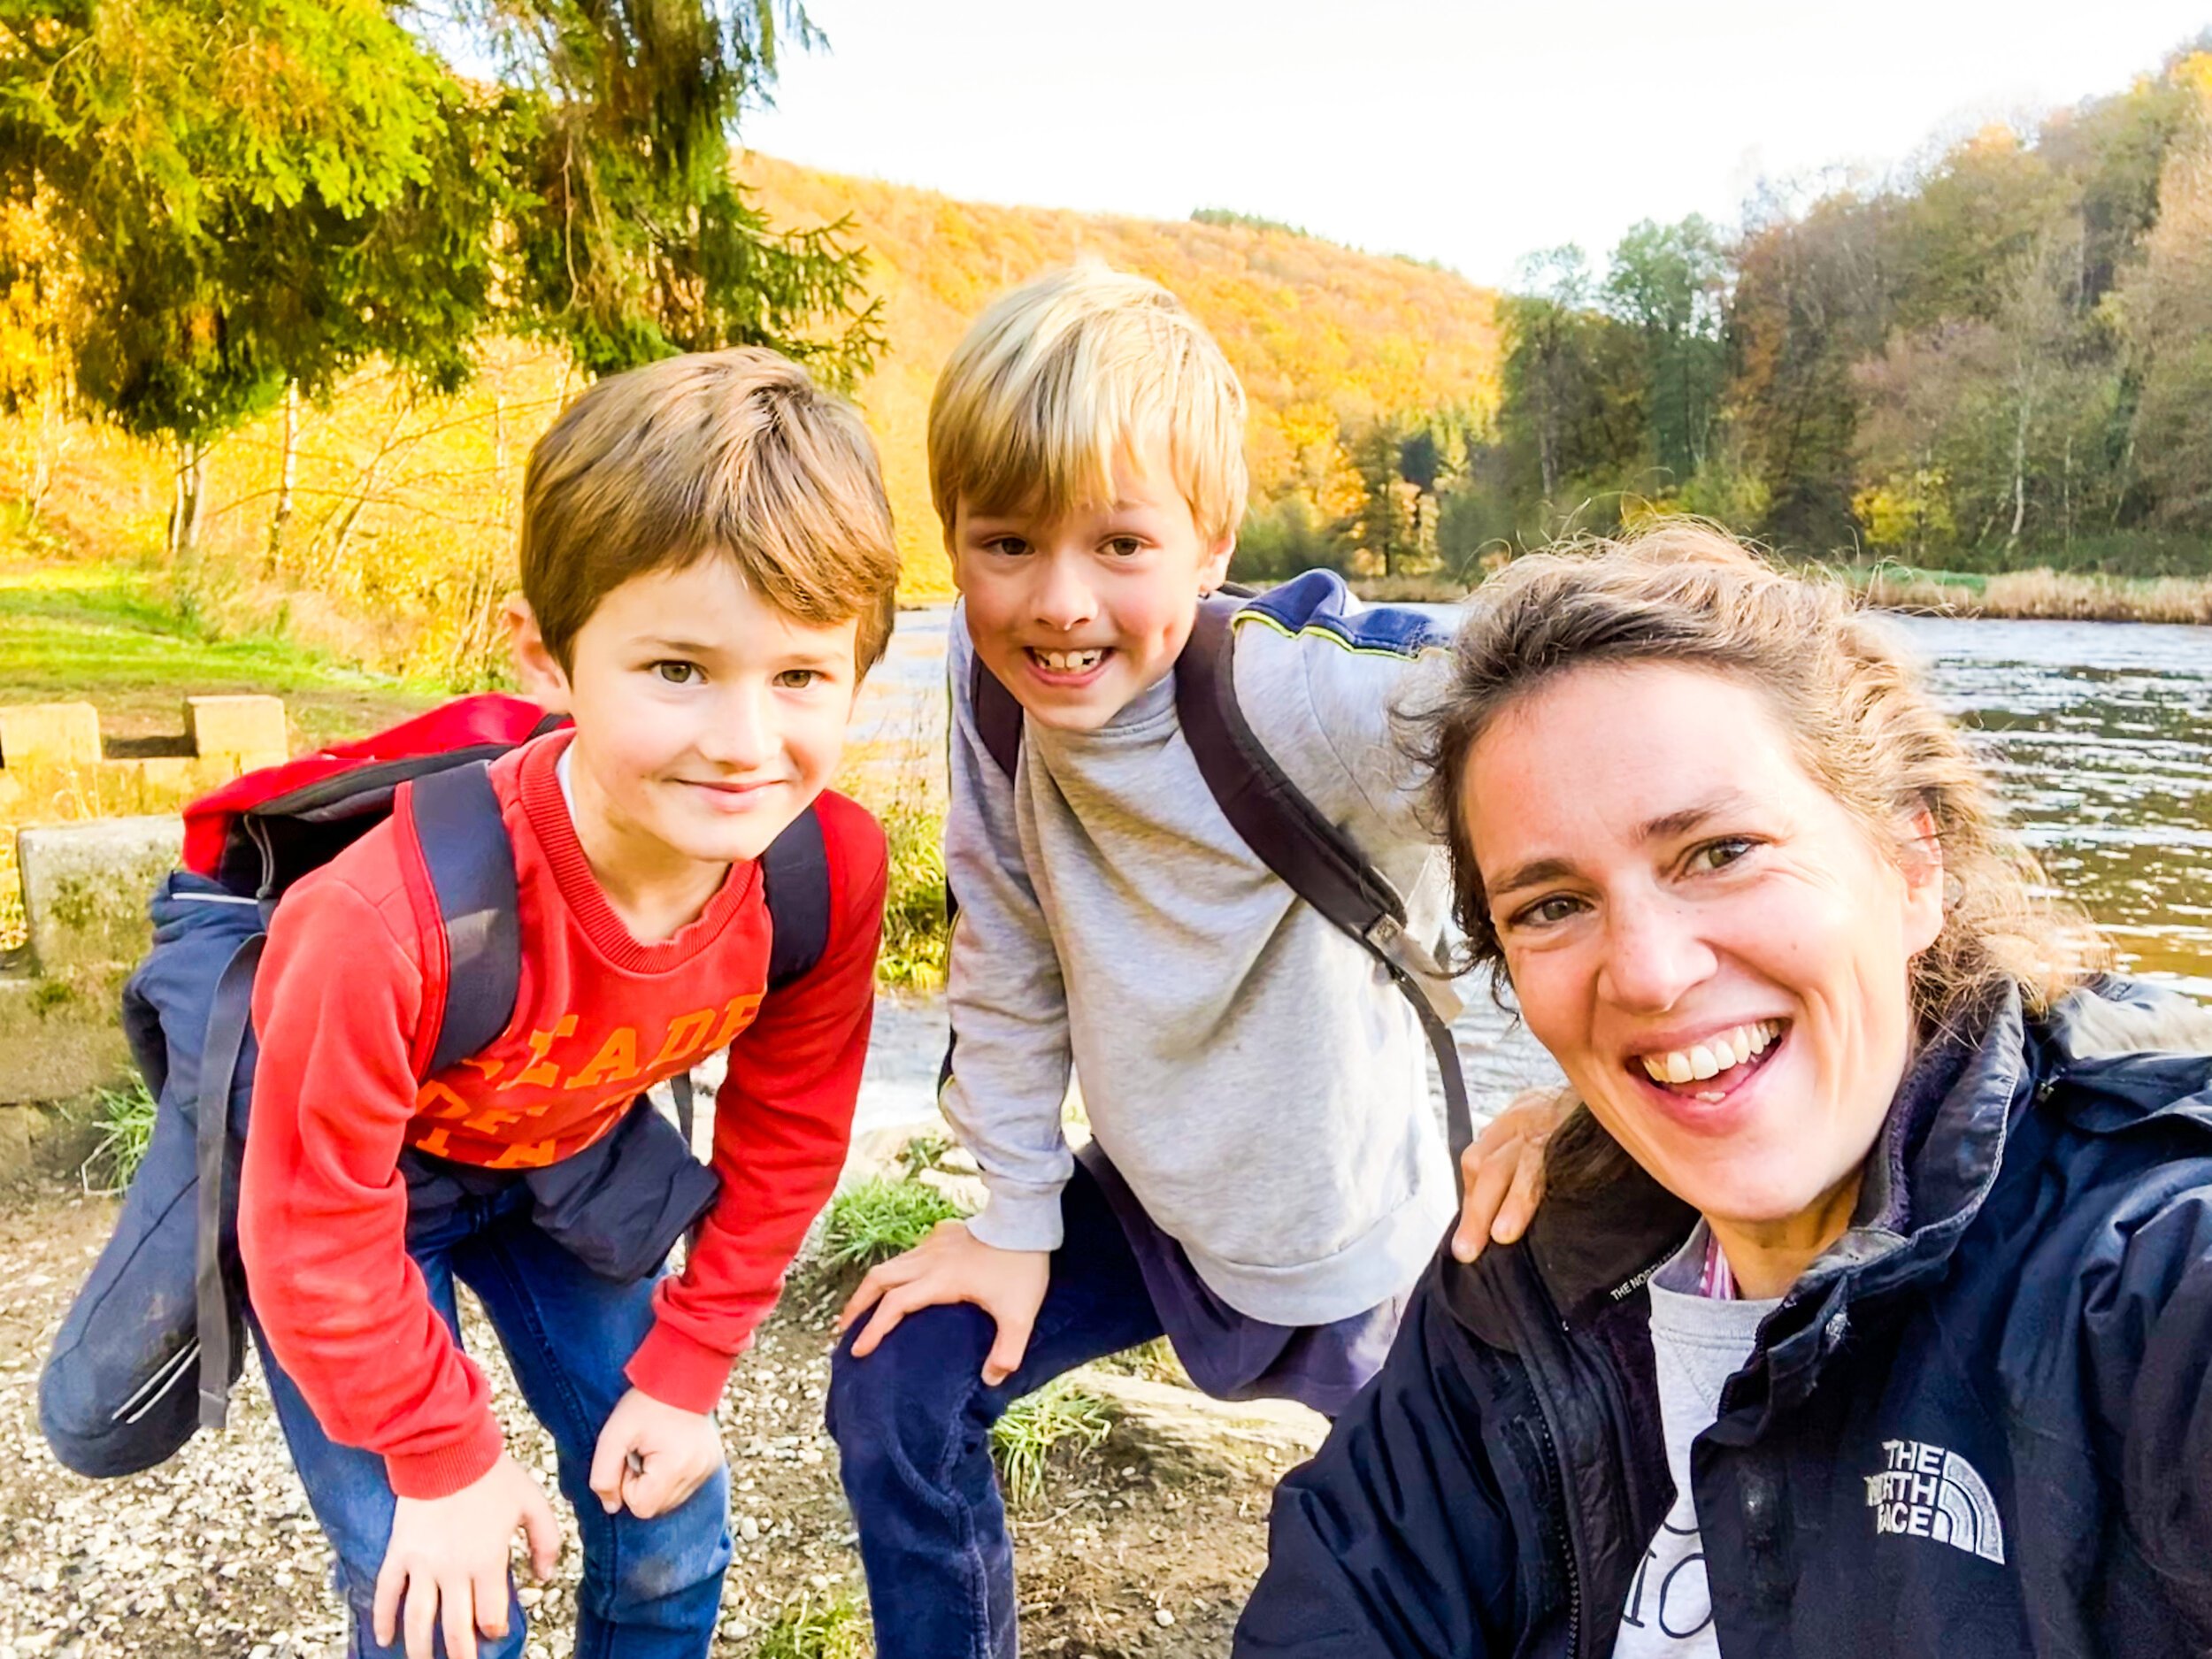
677	674
798	679
1006	546
1122	546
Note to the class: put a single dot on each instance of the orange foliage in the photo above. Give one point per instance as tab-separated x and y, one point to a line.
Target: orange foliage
1325	338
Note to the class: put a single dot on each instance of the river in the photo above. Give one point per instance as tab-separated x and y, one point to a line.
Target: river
2100	734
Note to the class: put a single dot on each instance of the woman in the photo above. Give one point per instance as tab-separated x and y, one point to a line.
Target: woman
1866	1312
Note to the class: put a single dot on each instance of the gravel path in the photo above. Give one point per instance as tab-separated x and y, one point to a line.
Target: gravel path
1145	1546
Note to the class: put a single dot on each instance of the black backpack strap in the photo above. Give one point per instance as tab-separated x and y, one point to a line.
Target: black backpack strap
228	1019
998	717
1313	858
471	865
795	886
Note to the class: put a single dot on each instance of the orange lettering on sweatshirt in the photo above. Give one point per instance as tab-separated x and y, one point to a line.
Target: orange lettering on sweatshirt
686	1035
542	1073
615	1061
734	1019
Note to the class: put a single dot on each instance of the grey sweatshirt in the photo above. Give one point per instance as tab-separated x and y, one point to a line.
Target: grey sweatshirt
1253	1074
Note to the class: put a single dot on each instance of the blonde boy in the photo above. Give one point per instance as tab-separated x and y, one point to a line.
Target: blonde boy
1267	1179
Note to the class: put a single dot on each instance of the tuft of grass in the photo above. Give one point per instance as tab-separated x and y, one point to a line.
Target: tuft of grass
1058	1414
925	1151
123	1120
807	1628
881	1218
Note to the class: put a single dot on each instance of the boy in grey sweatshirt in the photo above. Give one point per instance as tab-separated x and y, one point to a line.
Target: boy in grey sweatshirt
1266	1178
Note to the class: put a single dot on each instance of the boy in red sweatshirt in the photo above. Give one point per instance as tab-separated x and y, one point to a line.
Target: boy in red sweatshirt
707	572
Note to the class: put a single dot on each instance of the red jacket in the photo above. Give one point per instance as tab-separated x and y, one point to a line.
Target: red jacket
339	1092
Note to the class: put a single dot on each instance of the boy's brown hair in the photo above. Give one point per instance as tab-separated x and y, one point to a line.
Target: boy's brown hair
734	452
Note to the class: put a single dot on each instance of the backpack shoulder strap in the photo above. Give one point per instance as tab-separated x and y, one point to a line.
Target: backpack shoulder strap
454	817
1312	856
795	885
998	717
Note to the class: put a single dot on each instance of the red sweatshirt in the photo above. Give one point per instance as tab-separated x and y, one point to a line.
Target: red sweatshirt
339	1092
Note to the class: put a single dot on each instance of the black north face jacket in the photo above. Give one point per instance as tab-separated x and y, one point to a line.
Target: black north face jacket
1982	1426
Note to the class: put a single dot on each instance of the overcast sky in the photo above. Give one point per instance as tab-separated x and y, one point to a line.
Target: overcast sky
1468	133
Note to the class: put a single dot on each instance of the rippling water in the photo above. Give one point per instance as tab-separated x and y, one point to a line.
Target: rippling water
2101	734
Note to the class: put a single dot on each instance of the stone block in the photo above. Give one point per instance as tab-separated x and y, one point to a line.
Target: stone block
59	1037
49	734
85	888
248	729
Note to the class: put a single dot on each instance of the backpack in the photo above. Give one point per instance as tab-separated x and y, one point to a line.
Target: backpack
154	1340
1309	855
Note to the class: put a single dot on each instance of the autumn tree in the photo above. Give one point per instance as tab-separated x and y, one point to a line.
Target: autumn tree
253	193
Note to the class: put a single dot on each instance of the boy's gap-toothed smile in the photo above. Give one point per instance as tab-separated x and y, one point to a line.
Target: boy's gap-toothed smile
1068	662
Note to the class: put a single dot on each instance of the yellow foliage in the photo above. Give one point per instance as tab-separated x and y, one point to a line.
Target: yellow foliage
1905	511
399	543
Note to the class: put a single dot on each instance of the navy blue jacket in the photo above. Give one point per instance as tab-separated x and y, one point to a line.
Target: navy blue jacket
1982	1426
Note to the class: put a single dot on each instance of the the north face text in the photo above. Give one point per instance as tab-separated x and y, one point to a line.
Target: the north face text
1927	1492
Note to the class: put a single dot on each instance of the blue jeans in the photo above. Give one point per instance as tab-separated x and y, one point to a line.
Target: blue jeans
912	1424
651	1589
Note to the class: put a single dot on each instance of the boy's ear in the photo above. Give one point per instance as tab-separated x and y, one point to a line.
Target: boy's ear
1214	570
537	670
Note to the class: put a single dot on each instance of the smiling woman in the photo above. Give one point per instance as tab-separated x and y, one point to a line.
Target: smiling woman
1866	1294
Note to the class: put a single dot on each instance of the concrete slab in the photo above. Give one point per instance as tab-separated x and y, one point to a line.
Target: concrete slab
85	888
49	734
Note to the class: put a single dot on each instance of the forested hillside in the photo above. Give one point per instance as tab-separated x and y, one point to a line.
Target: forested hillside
1331	344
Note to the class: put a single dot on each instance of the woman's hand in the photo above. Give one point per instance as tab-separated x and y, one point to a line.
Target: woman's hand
447	1561
652	1455
1503	1173
952	1264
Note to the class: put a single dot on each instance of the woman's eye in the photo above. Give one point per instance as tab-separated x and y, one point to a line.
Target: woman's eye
1720	854
1546	912
677	674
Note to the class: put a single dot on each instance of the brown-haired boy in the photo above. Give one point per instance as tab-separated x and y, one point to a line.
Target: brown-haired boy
708	569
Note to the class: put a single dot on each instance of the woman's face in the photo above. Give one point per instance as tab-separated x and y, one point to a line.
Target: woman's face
1712	947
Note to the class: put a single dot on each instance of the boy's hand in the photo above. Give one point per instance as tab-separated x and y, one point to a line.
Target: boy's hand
652	1455
952	1264
447	1560
1503	1171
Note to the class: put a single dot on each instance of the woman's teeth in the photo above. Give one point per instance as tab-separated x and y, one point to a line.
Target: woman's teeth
1069	662
1714	1055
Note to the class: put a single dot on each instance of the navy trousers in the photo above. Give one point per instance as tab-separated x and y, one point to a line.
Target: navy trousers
912	1424
651	1589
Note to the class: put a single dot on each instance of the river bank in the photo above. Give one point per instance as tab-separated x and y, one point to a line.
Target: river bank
2012	595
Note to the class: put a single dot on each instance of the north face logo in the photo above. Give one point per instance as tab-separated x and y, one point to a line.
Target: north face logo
1927	1492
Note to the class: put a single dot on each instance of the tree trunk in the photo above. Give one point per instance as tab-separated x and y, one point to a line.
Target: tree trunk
2020	470
189	508
287	477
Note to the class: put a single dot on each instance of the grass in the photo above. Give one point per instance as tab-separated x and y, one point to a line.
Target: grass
110	630
124	1122
2065	596
1034	1427
881	1218
807	1628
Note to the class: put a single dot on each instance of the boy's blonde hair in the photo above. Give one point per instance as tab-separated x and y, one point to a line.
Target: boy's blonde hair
1069	375
736	453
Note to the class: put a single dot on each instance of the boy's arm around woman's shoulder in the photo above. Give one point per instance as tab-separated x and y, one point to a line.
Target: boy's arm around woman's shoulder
782	1124
322	1217
1007	1074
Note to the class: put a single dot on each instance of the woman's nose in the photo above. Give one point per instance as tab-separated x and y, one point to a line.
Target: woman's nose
1654	954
